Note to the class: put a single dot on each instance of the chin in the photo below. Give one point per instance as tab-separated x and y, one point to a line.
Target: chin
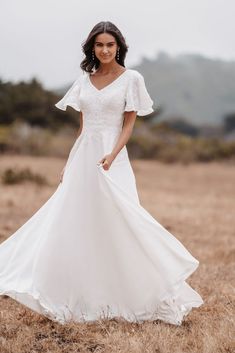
106	60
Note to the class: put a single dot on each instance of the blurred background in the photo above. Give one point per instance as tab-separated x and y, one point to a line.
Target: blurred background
182	154
183	48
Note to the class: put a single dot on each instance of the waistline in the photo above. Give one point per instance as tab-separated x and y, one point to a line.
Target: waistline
101	129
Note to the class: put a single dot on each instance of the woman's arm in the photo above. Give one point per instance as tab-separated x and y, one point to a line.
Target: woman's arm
128	124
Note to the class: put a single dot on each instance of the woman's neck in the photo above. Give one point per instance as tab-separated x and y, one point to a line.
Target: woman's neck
108	68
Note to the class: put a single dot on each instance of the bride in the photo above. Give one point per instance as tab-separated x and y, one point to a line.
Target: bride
92	251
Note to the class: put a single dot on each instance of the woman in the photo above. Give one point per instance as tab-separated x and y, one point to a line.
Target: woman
92	251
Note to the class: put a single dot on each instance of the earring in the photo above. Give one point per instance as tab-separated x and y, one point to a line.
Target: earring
93	56
118	54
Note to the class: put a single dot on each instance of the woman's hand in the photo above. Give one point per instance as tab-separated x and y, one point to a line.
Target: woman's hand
62	174
106	161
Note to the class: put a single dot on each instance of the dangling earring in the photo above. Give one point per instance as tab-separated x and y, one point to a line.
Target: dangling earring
118	54
93	56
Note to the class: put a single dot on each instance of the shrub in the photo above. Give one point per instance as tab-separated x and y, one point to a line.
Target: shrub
13	176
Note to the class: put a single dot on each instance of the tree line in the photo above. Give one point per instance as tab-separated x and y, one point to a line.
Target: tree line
29	102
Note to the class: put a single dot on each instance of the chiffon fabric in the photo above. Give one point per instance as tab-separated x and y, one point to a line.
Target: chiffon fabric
92	251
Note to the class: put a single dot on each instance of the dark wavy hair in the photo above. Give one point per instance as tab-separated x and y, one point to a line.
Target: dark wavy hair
88	64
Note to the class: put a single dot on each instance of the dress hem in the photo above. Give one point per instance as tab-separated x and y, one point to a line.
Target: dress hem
167	310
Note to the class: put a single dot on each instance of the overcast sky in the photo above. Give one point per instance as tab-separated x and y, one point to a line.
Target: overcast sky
43	38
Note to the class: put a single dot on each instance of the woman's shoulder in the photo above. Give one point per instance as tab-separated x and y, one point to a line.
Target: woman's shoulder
82	76
132	72
135	74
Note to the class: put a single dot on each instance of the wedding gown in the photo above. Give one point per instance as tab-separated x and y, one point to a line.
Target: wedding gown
92	251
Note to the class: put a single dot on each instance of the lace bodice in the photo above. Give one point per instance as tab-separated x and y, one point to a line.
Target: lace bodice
104	108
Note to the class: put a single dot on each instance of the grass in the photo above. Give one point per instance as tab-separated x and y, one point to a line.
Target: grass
195	202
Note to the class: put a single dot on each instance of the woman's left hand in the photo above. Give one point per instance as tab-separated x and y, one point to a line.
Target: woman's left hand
106	161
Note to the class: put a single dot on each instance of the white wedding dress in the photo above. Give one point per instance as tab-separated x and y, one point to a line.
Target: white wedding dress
92	251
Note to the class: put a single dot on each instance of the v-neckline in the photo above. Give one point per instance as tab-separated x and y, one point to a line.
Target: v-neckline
99	90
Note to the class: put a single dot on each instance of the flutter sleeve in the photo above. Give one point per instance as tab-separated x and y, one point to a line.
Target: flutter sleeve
137	97
71	97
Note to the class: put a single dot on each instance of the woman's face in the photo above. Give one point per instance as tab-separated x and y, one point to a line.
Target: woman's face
105	47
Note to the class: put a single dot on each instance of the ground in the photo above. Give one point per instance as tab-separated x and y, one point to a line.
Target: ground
194	202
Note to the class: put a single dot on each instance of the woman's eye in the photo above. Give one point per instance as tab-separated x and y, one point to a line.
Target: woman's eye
100	45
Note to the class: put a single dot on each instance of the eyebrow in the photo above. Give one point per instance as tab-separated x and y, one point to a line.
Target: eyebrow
107	43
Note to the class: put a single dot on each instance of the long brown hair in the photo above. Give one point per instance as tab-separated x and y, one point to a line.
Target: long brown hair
88	64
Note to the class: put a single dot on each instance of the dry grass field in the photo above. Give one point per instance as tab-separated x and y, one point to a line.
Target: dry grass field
196	203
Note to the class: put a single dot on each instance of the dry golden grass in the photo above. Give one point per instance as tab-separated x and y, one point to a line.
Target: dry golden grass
196	203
